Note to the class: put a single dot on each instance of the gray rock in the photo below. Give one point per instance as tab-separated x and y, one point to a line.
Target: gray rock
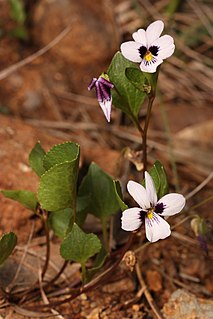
184	305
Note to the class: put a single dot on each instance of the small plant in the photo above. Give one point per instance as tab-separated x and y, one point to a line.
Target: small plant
63	206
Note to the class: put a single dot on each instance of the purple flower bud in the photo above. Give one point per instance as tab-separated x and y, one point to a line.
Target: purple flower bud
103	93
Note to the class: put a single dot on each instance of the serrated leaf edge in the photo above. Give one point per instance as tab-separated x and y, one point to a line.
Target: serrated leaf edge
54	146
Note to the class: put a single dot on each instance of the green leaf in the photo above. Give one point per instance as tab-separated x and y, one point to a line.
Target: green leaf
66	152
126	96
57	188
136	77
17	11
160	180
19	32
99	187
99	262
36	159
7	243
60	221
79	246
152	79
118	193
26	198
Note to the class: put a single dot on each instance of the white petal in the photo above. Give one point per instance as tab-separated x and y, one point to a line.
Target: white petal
156	228
166	46
151	67
173	204
150	189
140	36
154	31
138	192
130	219
106	108
130	51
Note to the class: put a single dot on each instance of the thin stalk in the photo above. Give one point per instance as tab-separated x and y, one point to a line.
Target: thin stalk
105	233
57	275
144	136
83	272
94	283
46	228
131	115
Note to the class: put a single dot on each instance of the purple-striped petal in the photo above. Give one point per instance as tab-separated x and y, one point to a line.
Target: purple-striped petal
105	91
105	82
156	228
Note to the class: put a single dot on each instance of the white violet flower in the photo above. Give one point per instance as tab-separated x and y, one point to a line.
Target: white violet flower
148	48
103	92
151	210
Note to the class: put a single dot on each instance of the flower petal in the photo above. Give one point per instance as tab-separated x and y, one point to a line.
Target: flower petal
140	36
150	189
130	219
106	106
130	51
138	192
156	228
150	67
154	31
173	203
92	84
105	82
165	46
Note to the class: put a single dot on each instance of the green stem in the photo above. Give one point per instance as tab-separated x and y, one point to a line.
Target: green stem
83	272
94	283
44	218
131	115
105	233
146	125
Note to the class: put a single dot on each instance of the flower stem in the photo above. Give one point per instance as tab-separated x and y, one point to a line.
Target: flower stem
57	275
105	233
83	272
44	219
144	135
92	284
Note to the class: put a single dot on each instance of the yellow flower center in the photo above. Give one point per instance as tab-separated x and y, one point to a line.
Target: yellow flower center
150	213
148	56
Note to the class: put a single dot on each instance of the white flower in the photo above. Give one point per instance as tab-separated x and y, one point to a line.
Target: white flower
103	88
148	48
151	211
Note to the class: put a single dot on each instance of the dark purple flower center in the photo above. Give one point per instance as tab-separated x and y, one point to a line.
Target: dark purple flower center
159	208
144	51
154	50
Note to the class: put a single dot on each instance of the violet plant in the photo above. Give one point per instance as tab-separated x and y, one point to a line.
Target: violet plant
63	206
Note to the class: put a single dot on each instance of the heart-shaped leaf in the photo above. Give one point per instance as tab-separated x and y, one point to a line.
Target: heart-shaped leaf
26	198
79	246
60	221
36	159
7	243
57	188
99	187
65	152
125	96
136	77
118	193
160	180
